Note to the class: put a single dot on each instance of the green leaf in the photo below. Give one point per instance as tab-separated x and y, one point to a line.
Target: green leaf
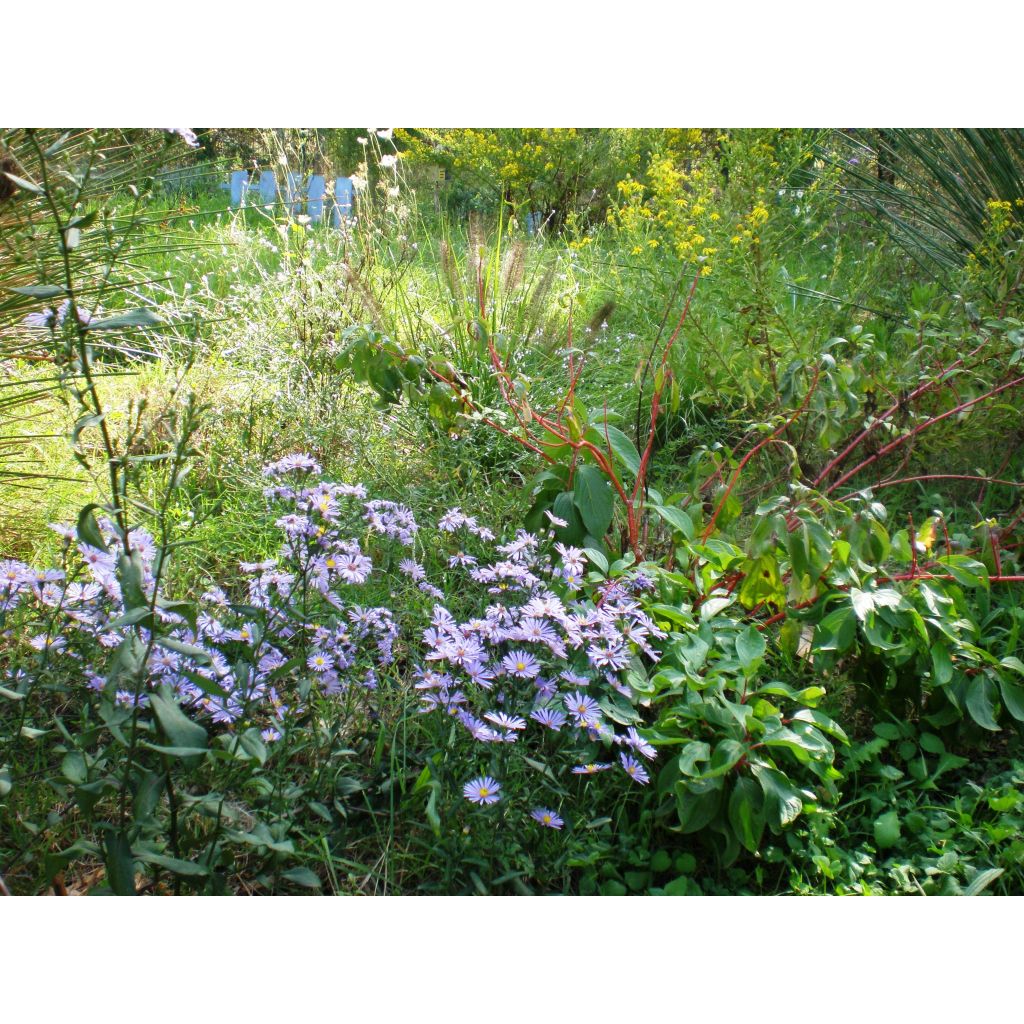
981	700
303	877
130	574
173	751
186	868
597	559
1013	698
966	571
252	743
175	724
750	647
197	654
942	664
565	509
592	495
982	880
24	183
39	291
660	861
837	631
745	813
132	618
433	818
73	767
887	830
136	318
698	802
823	722
783	801
680	886
728	753
88	529
692	753
621	445
677	519
119	863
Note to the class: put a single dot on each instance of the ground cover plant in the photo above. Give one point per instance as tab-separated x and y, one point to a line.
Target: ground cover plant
629	512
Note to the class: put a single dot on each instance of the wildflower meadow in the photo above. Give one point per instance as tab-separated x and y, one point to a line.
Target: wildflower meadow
511	511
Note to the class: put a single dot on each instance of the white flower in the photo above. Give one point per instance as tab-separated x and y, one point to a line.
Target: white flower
388	160
362	140
358	184
385	133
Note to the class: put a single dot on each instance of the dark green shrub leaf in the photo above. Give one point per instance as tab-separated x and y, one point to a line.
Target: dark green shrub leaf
887	830
592	495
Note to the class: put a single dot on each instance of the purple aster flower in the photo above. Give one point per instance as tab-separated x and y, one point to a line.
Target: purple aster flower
499	718
354	568
520	664
451	520
592	768
574	678
482	790
43	642
610	656
634	769
411	568
584	709
639	744
479	674
291	463
551	718
547	818
320	662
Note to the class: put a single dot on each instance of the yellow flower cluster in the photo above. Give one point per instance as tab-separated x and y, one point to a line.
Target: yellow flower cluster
1003	217
670	209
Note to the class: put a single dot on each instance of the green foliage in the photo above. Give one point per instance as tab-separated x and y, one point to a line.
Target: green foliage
802	491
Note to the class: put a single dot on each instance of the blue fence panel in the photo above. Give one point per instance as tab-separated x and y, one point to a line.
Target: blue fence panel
268	187
342	200
315	197
238	186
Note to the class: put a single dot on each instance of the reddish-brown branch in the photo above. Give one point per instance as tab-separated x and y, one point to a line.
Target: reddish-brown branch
709	529
903	438
892	410
941	476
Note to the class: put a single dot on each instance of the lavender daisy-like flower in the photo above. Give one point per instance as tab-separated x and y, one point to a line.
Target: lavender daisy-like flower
320	662
584	709
547	818
592	768
639	744
574	678
499	718
451	520
551	718
482	790
520	664
634	769
412	569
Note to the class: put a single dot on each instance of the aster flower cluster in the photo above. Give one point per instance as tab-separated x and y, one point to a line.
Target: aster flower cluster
540	660
538	671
